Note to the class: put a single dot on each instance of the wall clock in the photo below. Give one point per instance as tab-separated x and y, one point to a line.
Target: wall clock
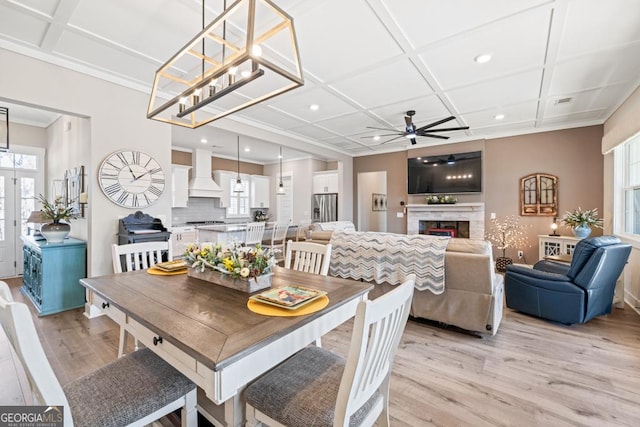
132	179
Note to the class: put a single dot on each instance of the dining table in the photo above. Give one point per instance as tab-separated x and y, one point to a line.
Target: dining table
208	333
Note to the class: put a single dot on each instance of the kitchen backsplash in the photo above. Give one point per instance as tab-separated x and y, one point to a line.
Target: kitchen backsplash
204	209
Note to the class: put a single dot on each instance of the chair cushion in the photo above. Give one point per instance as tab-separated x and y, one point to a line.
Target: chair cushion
584	249
302	391
126	390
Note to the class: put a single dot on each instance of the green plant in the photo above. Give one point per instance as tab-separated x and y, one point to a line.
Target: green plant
57	210
581	218
508	234
234	260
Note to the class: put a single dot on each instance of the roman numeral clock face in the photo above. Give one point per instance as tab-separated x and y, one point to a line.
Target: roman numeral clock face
131	179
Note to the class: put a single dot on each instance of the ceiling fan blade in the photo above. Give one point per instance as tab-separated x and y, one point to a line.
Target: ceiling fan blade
439	122
446	129
413	141
392	139
434	136
386	134
390	130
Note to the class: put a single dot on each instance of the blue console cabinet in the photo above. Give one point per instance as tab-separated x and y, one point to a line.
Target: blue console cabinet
52	272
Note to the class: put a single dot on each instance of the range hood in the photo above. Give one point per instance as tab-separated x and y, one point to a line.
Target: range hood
202	184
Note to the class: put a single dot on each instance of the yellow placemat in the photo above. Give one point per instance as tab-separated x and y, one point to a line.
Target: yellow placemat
158	272
270	310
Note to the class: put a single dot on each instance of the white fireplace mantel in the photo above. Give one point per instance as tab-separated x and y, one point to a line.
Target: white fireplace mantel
472	212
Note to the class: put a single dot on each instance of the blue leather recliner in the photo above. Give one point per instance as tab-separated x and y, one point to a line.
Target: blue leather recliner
572	293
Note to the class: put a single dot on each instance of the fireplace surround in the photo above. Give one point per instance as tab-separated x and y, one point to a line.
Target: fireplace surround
473	213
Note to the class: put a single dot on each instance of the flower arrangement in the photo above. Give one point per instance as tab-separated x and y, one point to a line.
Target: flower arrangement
57	210
448	200
579	217
234	260
508	234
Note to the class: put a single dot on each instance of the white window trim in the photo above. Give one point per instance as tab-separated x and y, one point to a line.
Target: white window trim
619	181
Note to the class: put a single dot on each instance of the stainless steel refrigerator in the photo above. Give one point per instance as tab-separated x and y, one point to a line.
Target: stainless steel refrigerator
325	207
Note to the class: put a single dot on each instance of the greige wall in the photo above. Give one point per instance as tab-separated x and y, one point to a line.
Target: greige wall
573	155
395	164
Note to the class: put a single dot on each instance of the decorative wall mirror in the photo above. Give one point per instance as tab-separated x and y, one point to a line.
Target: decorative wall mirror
539	195
4	129
74	182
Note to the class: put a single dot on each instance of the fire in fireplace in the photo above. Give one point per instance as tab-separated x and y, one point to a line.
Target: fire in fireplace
445	228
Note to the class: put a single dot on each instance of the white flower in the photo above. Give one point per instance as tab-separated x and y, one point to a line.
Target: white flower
244	272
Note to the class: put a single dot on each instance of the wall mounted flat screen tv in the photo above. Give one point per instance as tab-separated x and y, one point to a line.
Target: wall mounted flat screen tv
445	174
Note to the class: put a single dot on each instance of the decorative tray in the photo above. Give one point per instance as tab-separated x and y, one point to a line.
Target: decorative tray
178	264
289	297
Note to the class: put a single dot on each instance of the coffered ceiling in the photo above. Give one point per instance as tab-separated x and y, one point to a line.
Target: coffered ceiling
554	64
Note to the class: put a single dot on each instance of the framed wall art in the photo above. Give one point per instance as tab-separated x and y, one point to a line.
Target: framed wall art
379	202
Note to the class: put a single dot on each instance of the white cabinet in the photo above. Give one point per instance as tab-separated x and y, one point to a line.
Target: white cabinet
181	238
556	245
260	187
325	182
179	186
224	179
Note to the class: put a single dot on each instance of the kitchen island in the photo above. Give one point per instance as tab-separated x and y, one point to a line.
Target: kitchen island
227	233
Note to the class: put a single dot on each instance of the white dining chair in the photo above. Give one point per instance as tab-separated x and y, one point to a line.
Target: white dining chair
254	233
136	256
278	239
134	390
303	228
308	257
320	388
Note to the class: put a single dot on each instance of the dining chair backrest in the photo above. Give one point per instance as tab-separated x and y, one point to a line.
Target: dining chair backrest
303	228
254	233
18	326
278	236
308	257
138	256
159	388
377	331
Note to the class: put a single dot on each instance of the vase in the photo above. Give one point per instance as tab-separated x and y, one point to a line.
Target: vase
249	284
502	262
55	232
581	231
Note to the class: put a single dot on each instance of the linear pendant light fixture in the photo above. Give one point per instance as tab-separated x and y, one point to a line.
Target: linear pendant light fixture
280	191
228	66
237	187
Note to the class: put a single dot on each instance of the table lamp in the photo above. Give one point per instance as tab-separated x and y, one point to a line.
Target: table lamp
36	218
554	227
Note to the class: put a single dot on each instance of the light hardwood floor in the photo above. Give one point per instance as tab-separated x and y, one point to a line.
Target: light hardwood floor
532	373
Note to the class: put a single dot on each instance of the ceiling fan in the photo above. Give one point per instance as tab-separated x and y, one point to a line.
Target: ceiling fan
411	131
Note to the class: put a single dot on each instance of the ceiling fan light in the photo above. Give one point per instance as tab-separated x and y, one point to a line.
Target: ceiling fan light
410	135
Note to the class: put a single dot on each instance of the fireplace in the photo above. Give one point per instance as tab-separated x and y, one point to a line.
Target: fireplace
464	219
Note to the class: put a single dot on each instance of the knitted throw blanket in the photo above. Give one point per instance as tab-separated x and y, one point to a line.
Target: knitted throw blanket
387	257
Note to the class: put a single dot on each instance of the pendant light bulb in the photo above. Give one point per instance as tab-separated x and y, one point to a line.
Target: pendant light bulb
237	188
280	190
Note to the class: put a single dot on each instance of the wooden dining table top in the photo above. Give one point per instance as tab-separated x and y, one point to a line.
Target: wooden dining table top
210	322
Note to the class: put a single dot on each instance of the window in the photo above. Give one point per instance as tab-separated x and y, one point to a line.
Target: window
27	200
238	202
627	166
18	161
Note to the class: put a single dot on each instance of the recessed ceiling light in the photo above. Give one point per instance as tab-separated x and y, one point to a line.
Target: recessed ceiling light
314	107
483	58
247	149
203	140
376	138
499	116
